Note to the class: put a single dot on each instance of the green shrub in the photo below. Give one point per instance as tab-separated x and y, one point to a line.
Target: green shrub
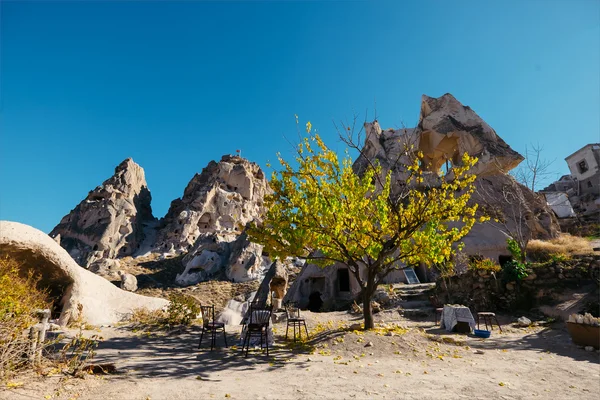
182	310
515	270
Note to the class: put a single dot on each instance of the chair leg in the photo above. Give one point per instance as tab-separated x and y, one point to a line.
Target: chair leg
478	327
212	339
201	335
306	329
299	332
246	343
287	328
294	325
267	340
225	337
497	323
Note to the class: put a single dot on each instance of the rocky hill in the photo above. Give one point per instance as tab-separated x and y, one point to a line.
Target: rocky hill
446	130
109	222
206	224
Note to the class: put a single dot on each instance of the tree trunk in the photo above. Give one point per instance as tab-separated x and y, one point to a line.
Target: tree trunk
367	310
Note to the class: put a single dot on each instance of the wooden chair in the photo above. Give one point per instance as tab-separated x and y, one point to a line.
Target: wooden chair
487	317
210	326
258	326
294	319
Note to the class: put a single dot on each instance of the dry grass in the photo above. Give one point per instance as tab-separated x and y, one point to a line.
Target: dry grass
564	244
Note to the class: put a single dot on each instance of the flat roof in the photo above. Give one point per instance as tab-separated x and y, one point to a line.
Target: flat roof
584	147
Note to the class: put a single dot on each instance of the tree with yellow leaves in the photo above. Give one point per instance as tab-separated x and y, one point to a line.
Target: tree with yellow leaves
325	213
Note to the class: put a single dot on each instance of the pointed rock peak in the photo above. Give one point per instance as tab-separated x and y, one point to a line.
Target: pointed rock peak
127	163
109	222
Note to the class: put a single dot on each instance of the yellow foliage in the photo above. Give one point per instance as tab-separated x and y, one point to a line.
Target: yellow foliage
321	210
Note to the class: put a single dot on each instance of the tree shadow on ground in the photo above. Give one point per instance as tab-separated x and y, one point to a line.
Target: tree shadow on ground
176	355
552	339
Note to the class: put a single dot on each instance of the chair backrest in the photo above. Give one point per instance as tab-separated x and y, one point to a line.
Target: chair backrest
208	314
292	310
260	315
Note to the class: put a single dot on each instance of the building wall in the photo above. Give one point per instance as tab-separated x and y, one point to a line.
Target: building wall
584	155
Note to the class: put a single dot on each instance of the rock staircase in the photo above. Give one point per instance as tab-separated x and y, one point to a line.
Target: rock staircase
415	299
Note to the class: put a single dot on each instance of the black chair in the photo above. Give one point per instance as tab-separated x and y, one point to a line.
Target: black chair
294	319
257	326
209	325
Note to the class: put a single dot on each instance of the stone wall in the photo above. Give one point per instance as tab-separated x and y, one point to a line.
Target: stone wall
545	284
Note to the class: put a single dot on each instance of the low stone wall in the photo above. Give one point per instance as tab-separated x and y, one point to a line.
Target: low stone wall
483	290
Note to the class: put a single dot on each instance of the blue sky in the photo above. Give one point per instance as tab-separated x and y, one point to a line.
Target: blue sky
174	85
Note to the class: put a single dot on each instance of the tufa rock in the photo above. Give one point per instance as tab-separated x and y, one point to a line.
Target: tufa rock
523	322
223	256
83	295
224	197
109	222
128	282
446	131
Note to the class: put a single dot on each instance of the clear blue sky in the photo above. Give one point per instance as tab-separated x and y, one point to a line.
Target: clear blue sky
85	85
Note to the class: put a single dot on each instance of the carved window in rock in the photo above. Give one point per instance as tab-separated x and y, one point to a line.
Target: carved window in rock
582	166
205	221
589	184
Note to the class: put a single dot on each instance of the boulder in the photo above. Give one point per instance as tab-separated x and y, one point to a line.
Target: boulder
129	282
223	256
447	130
523	322
222	199
82	294
109	222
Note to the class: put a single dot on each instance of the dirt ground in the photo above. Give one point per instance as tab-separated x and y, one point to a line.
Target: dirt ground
408	359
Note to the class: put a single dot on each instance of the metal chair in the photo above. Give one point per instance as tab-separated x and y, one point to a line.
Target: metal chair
209	325
257	326
294	319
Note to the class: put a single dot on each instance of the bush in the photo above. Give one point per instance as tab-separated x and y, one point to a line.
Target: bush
182	310
19	300
484	264
566	244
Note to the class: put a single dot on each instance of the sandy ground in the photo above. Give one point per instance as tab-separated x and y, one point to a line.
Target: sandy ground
421	363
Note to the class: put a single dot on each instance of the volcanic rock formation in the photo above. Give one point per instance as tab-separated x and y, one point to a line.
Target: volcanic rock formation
222	199
223	256
446	131
81	294
109	222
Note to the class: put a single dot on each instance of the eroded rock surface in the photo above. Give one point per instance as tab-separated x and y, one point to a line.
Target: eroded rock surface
109	222
224	197
223	256
446	131
81	294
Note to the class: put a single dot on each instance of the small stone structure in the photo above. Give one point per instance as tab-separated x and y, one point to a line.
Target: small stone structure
543	286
